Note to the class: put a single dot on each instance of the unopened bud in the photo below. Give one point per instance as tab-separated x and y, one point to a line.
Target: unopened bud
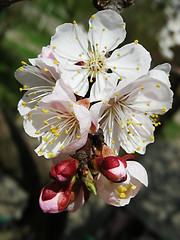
112	167
55	197
64	170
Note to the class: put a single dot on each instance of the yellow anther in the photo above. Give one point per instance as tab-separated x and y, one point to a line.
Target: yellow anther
24	86
122	195
27	95
79	136
137	68
46	139
40	152
152	115
105	47
21	69
106	78
74	22
136	41
118	54
66	131
34	93
139	148
148	104
156	116
110	130
164	109
142	87
29	115
121	78
120	123
112	142
78	71
152	138
58	117
133	187
91	27
123	26
103	29
20	89
54	47
117	94
144	141
45	111
114	67
55	62
45	69
104	102
80	55
128	138
91	80
158	85
62	146
45	122
93	16
133	151
56	134
71	104
76	37
24	104
168	75
32	99
113	151
23	63
37	132
50	155
133	134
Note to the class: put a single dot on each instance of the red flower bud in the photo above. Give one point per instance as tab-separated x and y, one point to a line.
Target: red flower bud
64	170
112	167
55	196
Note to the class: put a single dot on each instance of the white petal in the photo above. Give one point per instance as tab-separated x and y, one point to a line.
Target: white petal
69	43
134	61
107	29
166	67
150	95
136	170
78	81
102	88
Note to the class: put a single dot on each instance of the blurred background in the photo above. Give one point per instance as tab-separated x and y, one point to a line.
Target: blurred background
27	26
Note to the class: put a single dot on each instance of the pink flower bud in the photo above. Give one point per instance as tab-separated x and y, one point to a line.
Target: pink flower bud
64	170
112	167
55	196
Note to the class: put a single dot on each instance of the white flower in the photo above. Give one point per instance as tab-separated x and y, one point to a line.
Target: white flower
85	61
128	115
61	122
37	80
120	194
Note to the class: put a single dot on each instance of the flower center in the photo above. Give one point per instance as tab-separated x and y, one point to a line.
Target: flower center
123	190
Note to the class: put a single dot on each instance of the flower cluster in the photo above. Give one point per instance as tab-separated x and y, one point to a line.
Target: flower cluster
84	99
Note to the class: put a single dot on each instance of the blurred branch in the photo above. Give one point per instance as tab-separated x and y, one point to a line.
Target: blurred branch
7	3
115	5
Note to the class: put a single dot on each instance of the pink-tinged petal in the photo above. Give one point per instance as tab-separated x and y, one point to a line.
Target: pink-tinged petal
47	53
107	29
84	102
137	171
63	91
55	197
69	43
129	62
79	195
103	87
